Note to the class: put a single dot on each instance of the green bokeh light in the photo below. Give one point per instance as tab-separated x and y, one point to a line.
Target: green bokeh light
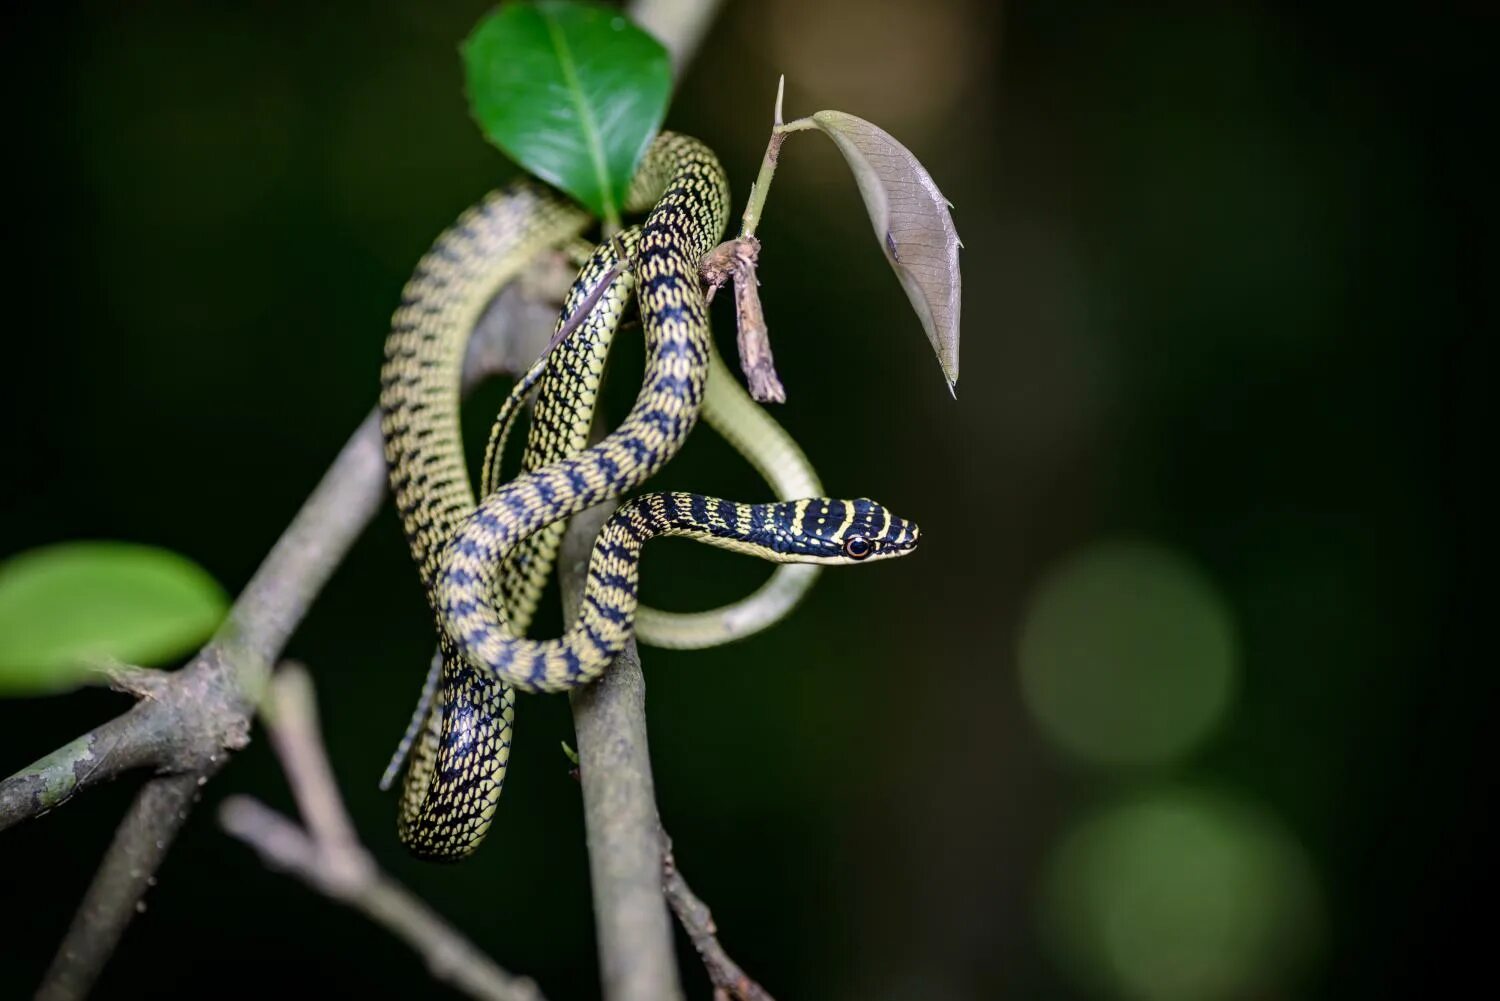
1181	895
1127	654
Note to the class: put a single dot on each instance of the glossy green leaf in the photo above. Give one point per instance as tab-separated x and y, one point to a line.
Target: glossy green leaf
573	92
65	609
913	222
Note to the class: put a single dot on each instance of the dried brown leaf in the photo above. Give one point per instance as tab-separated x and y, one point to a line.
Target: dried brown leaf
913	223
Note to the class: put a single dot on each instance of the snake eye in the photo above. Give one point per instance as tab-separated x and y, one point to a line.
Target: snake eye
857	547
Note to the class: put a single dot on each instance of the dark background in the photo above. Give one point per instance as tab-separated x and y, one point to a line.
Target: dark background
1221	271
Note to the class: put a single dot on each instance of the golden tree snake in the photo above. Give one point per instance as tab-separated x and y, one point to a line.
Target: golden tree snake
484	564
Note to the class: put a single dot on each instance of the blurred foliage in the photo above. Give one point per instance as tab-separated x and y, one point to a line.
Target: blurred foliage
1179	896
68	609
1223	267
1127	656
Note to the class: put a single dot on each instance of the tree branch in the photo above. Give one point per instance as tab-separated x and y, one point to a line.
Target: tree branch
680	25
636	958
130	865
630	855
133	740
185	728
330	859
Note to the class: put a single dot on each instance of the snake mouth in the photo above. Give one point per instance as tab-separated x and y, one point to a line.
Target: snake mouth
907	544
900	548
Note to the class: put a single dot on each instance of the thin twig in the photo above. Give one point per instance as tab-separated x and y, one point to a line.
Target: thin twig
117	892
736	259
761	187
141	682
698	921
284	846
329	858
292	716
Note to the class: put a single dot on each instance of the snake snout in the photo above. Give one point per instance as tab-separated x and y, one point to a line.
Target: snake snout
905	540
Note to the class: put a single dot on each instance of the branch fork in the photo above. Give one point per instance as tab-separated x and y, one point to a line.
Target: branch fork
328	856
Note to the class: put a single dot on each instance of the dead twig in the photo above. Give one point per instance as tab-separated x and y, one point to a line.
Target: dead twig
736	260
730	982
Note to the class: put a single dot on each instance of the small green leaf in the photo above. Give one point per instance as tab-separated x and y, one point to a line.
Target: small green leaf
65	609
573	92
913	223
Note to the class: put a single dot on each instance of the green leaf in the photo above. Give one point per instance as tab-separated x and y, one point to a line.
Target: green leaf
65	609
913	222
573	92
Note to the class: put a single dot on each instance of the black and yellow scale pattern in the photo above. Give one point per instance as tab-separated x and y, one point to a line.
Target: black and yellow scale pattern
455	776
811	531
685	223
562	420
483	251
570	378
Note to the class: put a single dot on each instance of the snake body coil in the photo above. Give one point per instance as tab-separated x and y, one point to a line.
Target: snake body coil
485	249
458	765
562	418
685	223
503	550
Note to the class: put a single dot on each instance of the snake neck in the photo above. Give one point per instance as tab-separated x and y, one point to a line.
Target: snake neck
723	524
785	531
611	592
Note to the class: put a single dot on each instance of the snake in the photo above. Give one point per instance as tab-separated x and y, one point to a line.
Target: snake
489	246
454	777
807	532
562	419
815	531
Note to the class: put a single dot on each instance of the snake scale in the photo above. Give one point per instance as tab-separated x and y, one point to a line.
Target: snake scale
468	557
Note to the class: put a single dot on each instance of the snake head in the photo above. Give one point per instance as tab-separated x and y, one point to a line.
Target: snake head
828	531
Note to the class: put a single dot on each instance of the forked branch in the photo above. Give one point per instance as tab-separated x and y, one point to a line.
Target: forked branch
328	856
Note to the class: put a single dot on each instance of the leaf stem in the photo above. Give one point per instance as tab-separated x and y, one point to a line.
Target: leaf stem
756	203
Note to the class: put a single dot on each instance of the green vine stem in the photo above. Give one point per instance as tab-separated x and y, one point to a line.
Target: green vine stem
756	203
